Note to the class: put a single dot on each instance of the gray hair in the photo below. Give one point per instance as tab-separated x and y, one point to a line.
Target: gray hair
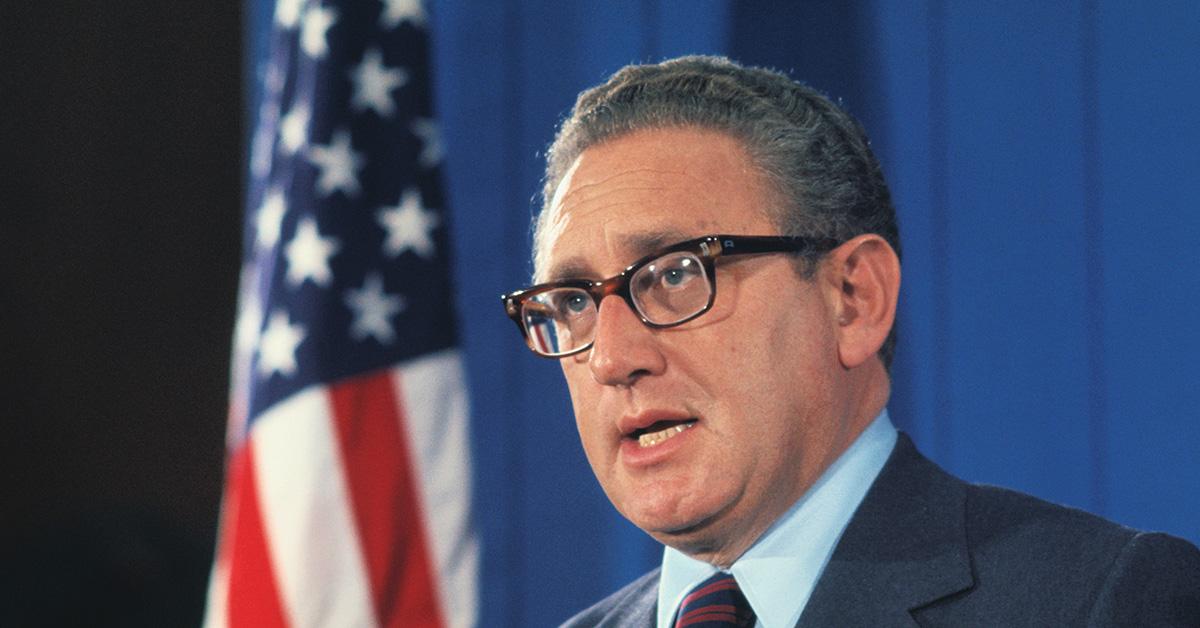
813	155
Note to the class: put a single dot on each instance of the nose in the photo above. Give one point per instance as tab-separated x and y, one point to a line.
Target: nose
624	350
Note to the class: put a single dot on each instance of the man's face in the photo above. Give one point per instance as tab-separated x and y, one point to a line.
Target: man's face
754	382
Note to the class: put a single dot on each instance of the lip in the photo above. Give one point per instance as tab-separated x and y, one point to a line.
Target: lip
635	456
629	424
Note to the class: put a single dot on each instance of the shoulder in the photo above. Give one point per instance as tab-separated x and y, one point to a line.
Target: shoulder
635	604
1007	527
1056	561
1007	522
1027	561
1154	579
1003	522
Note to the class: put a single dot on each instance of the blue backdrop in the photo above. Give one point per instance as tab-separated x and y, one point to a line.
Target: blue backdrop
1043	159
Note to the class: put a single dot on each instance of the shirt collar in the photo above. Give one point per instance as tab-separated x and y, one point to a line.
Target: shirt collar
778	573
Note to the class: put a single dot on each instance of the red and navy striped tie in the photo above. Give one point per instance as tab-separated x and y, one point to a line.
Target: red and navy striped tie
716	602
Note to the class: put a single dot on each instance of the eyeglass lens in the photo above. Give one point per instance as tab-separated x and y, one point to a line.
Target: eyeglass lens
667	290
559	320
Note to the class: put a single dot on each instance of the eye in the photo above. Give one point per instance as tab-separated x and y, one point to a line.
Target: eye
576	302
678	274
573	304
674	276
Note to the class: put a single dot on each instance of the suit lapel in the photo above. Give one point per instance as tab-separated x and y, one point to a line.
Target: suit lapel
637	607
904	548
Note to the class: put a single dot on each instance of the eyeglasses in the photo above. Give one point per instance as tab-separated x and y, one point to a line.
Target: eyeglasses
667	288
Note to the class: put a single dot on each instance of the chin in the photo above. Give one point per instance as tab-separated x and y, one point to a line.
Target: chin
699	541
679	529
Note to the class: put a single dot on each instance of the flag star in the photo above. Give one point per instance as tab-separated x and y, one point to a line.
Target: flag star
431	152
338	163
287	13
397	11
409	226
372	308
269	218
293	128
313	35
374	82
277	346
308	255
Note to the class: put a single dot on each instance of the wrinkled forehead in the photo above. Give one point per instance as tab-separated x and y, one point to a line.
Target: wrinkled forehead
617	221
626	197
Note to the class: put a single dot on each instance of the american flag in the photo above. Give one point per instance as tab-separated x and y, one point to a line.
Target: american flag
348	478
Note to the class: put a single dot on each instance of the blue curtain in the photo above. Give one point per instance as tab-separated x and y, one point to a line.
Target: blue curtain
1043	159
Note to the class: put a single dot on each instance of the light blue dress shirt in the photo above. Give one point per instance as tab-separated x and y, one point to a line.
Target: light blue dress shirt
778	573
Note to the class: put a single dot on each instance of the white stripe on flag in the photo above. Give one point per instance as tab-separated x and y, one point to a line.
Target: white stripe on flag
217	613
307	515
433	393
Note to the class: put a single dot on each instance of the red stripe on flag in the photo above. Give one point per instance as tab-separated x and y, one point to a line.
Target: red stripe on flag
387	511
253	598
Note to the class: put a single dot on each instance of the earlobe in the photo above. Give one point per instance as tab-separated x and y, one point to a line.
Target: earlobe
867	272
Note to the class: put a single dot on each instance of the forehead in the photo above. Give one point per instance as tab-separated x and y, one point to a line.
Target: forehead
630	195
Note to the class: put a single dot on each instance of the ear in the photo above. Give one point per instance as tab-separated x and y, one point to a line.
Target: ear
864	284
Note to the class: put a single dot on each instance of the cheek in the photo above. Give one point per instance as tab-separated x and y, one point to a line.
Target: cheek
779	368
592	438
577	376
585	402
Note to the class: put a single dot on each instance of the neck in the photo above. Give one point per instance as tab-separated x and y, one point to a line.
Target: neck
865	394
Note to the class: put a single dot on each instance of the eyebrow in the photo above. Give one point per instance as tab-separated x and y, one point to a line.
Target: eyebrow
640	244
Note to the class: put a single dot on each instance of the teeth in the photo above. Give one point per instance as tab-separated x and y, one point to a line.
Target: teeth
653	438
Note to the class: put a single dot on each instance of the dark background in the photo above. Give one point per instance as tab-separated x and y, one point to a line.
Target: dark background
119	229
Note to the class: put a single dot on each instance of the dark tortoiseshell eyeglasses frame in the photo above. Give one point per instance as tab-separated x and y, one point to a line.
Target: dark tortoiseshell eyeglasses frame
707	249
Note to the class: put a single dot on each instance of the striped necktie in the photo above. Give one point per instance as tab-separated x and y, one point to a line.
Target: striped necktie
716	602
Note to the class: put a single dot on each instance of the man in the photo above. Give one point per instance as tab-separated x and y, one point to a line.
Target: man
730	378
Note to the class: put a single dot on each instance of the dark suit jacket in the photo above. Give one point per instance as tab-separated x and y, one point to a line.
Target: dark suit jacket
927	549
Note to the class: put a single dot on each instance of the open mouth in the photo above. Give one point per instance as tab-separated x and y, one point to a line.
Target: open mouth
659	432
